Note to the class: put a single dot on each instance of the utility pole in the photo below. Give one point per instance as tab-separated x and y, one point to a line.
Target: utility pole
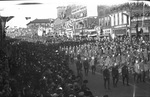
3	21
2	26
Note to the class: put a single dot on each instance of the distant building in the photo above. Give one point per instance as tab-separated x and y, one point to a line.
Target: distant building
85	19
60	11
79	12
103	11
76	19
44	25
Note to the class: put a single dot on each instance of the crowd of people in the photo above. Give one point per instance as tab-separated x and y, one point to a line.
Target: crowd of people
39	70
119	56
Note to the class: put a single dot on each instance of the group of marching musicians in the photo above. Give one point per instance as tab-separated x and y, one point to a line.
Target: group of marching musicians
117	57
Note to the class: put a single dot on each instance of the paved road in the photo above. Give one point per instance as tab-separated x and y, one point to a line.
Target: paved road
95	83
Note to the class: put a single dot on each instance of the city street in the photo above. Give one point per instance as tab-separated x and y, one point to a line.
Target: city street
95	83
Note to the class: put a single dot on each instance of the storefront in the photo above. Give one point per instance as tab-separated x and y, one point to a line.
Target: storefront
120	31
107	32
146	27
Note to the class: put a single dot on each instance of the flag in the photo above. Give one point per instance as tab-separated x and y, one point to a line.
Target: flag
27	18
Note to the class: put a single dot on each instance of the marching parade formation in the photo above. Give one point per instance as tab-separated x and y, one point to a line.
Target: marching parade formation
115	57
62	66
42	69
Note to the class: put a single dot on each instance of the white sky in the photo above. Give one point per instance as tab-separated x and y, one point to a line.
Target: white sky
46	10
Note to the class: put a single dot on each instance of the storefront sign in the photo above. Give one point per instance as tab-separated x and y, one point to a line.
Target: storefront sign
120	31
107	31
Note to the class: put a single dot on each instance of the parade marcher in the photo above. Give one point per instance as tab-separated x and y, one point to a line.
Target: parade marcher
95	64
137	74
92	65
86	66
143	71
125	74
115	75
106	76
79	66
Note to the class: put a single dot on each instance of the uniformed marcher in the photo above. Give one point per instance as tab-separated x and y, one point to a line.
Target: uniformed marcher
93	67
137	74
79	66
106	76
145	71
125	74
86	66
115	75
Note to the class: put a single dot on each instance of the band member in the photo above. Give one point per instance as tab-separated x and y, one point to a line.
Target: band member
125	74
106	76
115	75
86	66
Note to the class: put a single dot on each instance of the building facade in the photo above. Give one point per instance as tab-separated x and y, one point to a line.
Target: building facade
142	21
41	26
120	22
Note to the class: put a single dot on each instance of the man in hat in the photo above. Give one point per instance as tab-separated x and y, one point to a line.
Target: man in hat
125	74
106	76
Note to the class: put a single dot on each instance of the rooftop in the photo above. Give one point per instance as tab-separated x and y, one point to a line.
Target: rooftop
40	21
